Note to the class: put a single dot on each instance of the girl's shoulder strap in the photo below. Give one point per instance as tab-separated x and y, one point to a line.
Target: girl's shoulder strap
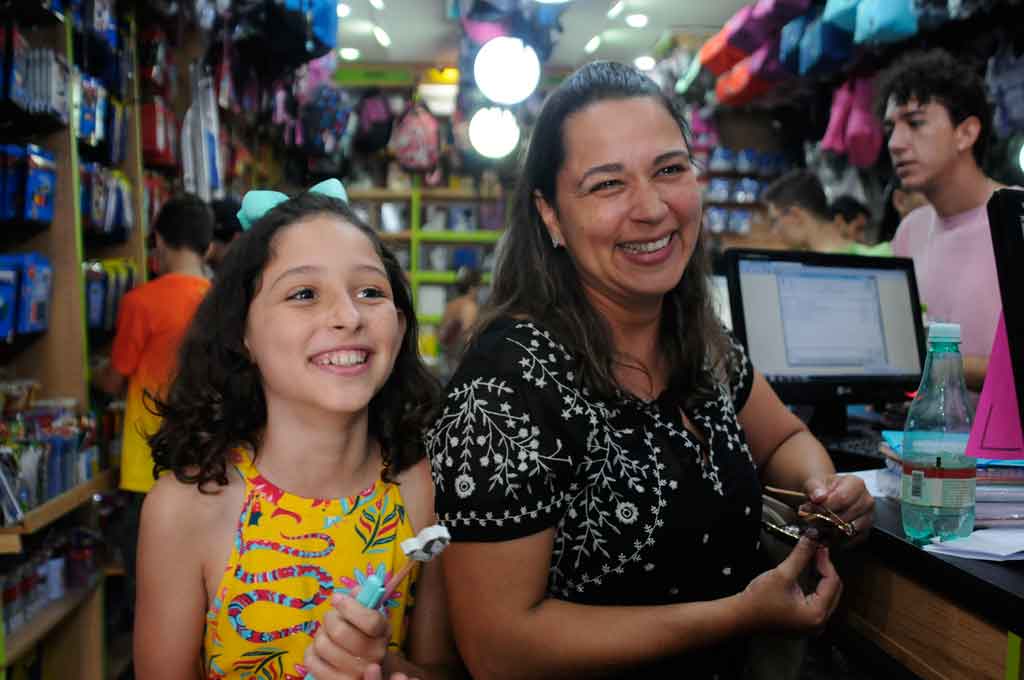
241	459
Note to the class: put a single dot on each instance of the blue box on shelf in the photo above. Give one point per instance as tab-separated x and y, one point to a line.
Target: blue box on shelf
8	301
12	179
40	185
35	286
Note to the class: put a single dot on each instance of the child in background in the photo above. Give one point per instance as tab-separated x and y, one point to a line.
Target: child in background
293	434
151	323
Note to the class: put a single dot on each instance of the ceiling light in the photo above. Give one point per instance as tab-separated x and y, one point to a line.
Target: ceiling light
377	4
348	53
616	9
343	10
493	132
552	2
636	20
592	44
382	37
644	63
506	70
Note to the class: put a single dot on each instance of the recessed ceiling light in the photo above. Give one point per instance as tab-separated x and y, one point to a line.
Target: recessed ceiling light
382	37
348	53
343	10
377	4
636	20
592	44
644	63
616	9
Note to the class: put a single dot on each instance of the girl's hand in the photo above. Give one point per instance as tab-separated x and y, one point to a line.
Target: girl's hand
775	599
350	642
374	672
846	496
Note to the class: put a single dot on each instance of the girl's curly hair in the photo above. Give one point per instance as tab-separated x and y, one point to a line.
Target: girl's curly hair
216	403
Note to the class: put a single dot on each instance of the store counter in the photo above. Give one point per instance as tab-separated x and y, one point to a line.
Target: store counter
937	616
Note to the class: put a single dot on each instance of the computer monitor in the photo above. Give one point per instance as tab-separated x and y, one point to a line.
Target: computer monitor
720	296
1006	221
828	330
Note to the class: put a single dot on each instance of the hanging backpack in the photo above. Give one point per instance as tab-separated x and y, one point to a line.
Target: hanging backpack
416	142
375	123
841	14
789	42
1005	79
885	21
864	135
745	32
717	55
775	14
835	136
823	48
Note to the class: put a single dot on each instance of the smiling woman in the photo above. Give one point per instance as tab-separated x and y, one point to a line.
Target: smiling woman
598	456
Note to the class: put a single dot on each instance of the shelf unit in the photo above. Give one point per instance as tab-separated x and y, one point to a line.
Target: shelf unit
416	236
69	631
52	510
72	628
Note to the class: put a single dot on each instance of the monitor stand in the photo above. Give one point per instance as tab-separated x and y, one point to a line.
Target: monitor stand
851	447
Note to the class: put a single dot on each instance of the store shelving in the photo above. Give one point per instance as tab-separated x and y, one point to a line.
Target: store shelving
48	619
440	278
68	633
52	510
416	236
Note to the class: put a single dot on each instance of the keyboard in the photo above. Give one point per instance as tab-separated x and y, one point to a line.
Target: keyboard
855	451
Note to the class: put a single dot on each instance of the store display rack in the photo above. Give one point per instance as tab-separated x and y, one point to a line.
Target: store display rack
67	635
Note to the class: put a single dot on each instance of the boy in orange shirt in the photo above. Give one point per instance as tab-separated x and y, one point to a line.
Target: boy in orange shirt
151	323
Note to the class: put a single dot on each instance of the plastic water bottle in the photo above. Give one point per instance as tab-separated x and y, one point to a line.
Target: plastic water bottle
938	484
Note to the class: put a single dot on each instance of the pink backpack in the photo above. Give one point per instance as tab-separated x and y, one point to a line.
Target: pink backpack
864	135
416	141
835	136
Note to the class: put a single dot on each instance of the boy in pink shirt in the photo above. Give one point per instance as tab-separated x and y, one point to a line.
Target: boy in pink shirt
937	120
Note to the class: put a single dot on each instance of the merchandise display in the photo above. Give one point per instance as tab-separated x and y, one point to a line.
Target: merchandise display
109	110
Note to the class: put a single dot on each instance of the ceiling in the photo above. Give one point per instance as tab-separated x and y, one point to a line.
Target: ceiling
420	32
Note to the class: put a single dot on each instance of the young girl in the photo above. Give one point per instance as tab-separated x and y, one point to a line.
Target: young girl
292	431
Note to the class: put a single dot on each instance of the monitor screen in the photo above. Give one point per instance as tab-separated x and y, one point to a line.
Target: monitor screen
828	327
720	296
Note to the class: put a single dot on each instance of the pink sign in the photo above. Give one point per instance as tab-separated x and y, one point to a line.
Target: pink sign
996	432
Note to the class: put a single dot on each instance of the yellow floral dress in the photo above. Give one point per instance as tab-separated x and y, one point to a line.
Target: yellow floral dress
290	555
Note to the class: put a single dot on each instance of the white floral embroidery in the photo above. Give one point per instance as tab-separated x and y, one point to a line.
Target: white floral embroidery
485	444
464	486
626	513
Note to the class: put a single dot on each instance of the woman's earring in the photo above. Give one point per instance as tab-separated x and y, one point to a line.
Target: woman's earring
555	243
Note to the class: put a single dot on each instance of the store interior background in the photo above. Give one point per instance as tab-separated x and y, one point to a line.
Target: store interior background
265	114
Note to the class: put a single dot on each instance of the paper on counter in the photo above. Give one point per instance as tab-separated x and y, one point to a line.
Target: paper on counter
999	545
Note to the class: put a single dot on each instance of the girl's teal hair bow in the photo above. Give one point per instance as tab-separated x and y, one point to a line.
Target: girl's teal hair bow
256	204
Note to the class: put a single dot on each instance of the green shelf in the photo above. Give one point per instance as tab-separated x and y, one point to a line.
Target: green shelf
459	236
441	278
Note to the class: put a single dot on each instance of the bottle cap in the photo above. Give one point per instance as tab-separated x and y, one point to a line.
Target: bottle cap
944	332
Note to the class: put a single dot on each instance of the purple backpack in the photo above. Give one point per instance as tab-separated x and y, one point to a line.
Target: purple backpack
745	32
375	121
774	14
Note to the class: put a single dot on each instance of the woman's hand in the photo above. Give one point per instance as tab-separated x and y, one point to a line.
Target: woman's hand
776	600
846	496
350	644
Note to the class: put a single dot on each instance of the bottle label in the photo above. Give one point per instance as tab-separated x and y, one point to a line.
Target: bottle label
938	487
